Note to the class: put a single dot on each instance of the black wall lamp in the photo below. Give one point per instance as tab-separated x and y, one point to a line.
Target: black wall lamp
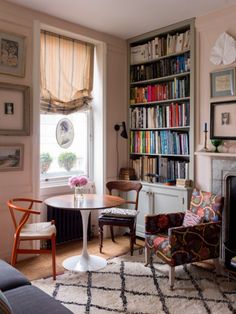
122	125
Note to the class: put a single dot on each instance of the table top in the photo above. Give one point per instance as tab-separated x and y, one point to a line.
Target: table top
90	201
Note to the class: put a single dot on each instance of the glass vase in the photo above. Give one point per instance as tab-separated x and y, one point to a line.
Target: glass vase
78	193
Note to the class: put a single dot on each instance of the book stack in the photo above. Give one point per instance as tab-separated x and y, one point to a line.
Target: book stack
233	261
184	183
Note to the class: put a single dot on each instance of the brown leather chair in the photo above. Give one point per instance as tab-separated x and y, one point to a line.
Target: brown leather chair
120	216
31	231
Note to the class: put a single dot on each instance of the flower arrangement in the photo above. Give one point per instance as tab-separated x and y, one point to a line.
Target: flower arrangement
77	181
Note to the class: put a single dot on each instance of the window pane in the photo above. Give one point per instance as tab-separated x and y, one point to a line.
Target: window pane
64	141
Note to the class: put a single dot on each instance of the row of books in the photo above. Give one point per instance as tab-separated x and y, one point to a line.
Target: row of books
159	142
160	68
160	46
152	169
174	89
160	116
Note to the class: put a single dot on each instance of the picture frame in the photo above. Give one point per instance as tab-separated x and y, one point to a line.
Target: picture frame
12	54
223	120
64	133
223	83
14	109
11	157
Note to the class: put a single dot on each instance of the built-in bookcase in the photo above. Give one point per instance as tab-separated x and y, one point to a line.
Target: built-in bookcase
161	103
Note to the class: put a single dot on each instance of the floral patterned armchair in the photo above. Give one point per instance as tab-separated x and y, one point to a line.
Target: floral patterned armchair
181	238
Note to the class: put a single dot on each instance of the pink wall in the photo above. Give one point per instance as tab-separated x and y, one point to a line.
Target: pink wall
18	20
208	29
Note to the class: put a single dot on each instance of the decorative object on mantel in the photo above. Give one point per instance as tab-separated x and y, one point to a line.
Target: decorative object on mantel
78	182
216	143
205	137
224	50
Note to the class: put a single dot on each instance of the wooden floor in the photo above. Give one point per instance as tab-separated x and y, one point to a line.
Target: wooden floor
40	266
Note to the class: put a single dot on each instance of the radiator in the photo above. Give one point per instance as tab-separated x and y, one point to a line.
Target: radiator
69	222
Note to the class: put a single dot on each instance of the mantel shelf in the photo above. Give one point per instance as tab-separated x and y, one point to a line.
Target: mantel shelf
215	155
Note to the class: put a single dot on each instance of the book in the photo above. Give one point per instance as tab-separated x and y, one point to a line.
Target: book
183	182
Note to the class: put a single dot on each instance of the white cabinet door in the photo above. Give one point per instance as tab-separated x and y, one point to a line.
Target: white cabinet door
169	200
144	208
160	199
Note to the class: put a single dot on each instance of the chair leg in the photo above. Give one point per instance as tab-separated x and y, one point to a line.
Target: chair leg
147	255
171	277
14	251
132	240
112	234
53	243
217	266
101	237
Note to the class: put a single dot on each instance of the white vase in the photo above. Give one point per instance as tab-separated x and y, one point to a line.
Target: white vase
78	193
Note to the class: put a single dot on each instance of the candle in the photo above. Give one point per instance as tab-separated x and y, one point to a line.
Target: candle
205	127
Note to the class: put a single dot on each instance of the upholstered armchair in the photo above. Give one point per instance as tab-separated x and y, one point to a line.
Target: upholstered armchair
181	238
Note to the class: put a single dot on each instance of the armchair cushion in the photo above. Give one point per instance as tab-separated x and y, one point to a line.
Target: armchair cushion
206	205
191	219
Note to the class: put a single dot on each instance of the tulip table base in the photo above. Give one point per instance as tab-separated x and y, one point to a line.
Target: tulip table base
84	263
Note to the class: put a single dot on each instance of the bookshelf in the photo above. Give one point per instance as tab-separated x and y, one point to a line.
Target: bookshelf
161	111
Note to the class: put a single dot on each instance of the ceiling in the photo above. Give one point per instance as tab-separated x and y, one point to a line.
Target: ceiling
125	18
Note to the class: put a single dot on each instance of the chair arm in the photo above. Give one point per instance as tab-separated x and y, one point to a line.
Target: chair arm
201	240
162	222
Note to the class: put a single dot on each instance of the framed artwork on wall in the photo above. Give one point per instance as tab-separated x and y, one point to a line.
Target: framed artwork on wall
223	120
12	54
14	109
223	83
11	157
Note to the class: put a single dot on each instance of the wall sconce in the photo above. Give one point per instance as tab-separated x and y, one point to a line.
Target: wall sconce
123	134
122	125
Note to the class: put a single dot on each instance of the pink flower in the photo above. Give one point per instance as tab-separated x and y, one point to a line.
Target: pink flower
77	181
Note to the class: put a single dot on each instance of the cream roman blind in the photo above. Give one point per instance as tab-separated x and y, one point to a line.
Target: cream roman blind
66	74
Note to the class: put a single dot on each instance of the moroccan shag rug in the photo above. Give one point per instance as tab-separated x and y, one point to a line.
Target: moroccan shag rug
127	286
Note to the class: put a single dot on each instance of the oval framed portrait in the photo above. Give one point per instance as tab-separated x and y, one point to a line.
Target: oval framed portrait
64	133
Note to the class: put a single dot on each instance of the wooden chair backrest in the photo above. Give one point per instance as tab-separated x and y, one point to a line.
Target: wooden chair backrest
13	206
125	186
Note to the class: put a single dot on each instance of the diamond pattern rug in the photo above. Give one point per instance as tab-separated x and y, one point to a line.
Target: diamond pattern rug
127	286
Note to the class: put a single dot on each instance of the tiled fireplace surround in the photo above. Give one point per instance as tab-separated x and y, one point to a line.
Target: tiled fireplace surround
223	181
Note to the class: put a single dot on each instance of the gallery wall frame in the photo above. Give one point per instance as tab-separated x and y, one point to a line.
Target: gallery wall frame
223	83
223	120
12	51
14	109
11	157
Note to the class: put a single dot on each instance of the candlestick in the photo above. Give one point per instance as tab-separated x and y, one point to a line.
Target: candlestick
205	139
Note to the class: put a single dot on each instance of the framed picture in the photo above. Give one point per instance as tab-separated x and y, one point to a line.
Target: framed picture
223	120
11	157
14	109
64	133
223	83
12	54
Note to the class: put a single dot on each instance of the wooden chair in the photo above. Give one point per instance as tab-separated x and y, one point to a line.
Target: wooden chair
31	231
120	216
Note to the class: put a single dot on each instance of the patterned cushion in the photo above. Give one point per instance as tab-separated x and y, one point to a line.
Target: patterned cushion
191	219
5	307
161	246
206	205
119	212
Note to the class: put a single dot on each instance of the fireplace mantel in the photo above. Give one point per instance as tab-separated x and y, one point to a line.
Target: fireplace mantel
215	155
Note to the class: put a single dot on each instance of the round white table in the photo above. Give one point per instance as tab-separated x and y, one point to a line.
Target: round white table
84	262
